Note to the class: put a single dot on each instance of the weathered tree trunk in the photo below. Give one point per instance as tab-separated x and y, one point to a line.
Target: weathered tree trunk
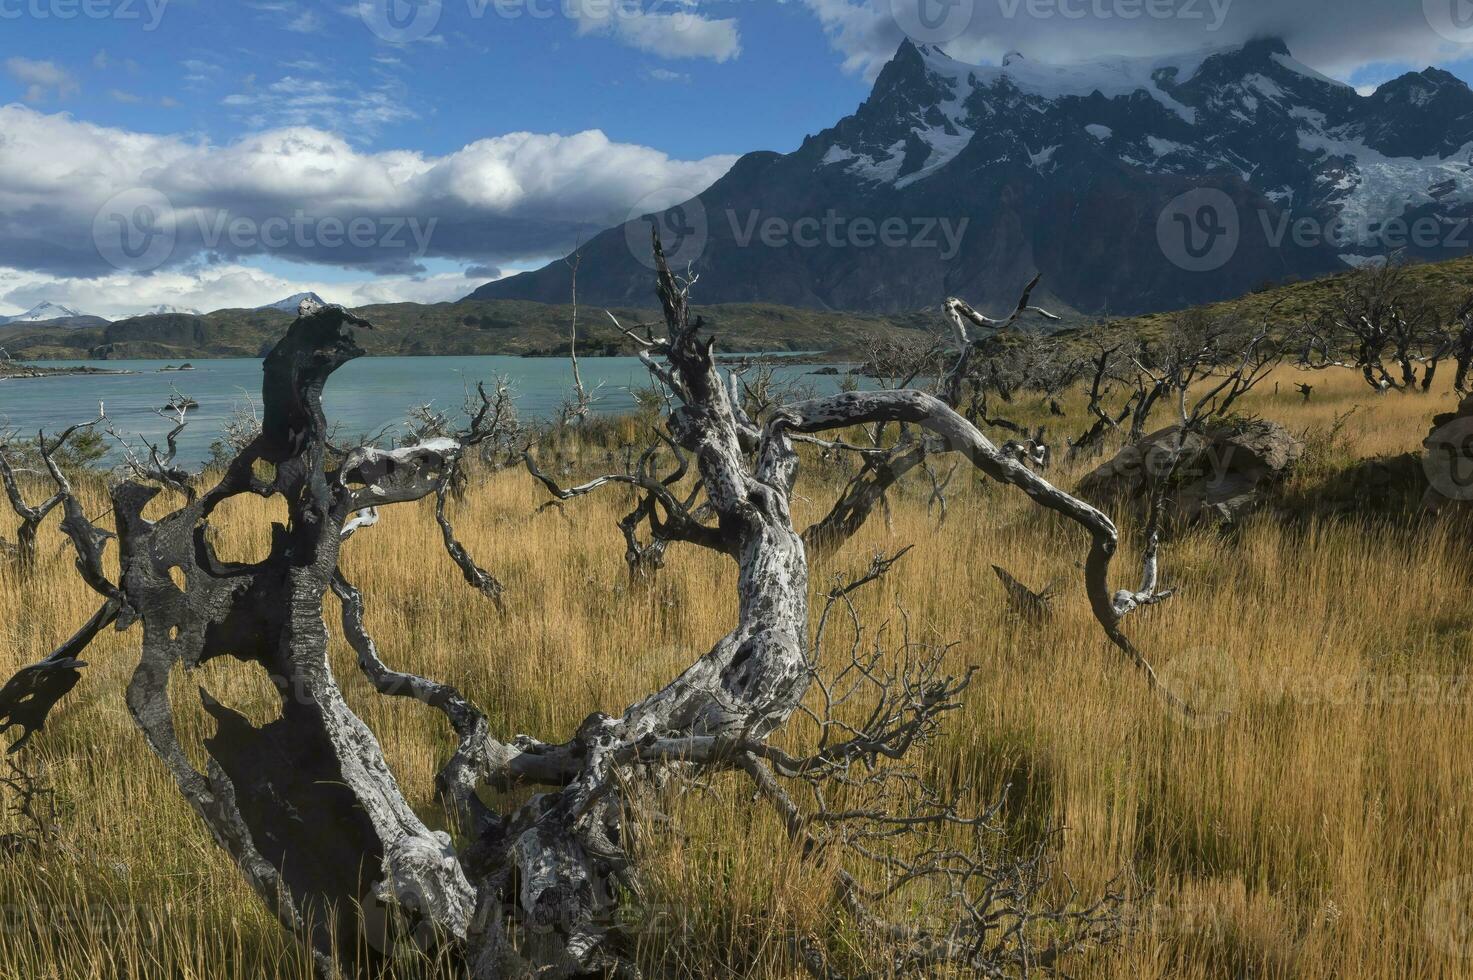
317	764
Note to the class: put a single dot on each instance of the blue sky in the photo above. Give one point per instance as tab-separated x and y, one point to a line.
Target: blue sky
209	66
516	126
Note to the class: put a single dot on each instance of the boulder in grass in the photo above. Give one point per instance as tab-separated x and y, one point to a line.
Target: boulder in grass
1225	472
1448	462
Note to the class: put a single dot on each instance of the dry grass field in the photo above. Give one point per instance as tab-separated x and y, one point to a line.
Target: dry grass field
1315	820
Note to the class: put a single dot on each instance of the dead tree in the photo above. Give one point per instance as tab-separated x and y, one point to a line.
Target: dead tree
31	803
574	410
1104	370
656	496
32	517
1206	365
316	821
1457	344
1379	315
1212	361
151	464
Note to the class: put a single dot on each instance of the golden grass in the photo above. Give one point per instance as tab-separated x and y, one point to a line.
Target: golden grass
1314	823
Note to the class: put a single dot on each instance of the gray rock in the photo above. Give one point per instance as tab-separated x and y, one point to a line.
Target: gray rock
1225	472
1448	461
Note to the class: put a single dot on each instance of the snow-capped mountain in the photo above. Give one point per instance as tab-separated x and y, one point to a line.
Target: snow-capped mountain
164	309
43	312
291	303
1132	184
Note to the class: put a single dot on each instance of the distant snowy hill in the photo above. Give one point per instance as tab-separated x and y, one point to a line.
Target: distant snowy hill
42	313
1132	184
52	314
164	309
290	304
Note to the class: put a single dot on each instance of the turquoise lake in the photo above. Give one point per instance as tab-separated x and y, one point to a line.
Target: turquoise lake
363	397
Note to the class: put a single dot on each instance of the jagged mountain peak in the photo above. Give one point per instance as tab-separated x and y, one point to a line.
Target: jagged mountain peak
912	66
922	77
1420	87
1426	113
1256	51
1067	169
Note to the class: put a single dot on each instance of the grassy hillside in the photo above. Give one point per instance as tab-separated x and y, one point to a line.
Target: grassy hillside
1311	825
1445	283
466	327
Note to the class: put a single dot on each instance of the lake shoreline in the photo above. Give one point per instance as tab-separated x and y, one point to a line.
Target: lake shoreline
32	373
368	395
785	357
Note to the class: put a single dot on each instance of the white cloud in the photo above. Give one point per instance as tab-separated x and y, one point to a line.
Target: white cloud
228	286
1335	36
330	103
682	34
496	201
198	72
102	61
45	78
307	22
